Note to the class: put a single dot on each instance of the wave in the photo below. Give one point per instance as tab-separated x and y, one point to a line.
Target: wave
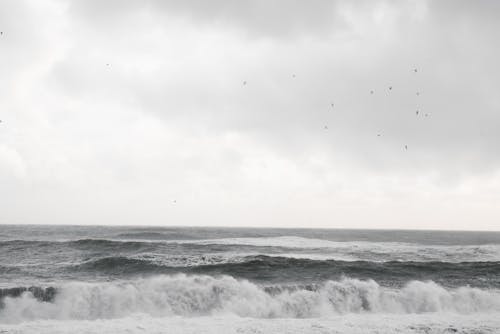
295	246
147	262
183	295
367	250
268	269
157	236
4	270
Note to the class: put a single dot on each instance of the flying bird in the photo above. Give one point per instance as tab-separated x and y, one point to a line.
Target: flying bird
378	134
416	112
406	147
415	70
332	105
390	87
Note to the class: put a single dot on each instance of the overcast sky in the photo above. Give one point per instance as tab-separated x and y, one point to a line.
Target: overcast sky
136	112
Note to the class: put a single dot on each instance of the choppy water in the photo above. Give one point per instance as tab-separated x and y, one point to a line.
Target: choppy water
51	277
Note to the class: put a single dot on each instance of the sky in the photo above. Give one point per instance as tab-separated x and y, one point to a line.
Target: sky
219	113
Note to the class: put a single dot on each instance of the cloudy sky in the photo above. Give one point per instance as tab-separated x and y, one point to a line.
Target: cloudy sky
136	112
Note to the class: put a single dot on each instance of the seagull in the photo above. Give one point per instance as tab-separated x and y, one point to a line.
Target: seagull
378	134
390	87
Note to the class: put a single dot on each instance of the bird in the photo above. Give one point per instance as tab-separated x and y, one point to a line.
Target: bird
331	105
378	134
406	147
244	83
1	32
415	70
293	75
174	201
326	127
390	87
418	93
416	112
371	92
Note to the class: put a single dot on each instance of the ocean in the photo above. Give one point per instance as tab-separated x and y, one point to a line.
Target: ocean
101	279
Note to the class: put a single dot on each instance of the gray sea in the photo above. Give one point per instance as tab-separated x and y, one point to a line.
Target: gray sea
94	279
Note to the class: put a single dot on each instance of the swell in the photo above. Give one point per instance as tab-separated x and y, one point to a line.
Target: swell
278	269
199	295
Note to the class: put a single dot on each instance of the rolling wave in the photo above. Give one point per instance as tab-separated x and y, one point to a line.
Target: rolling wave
182	295
275	269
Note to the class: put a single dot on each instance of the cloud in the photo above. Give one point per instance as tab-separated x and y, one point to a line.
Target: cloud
256	19
112	109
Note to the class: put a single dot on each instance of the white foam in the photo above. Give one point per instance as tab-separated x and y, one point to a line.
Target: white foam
346	324
181	295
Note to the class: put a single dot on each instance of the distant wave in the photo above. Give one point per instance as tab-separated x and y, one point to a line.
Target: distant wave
9	270
269	268
297	247
157	236
182	295
366	250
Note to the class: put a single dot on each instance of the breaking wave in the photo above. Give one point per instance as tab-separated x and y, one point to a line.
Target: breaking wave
184	295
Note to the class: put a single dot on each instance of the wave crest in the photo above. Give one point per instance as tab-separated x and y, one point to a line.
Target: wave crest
182	295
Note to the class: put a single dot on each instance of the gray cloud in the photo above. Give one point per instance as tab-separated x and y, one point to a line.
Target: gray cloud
112	103
266	19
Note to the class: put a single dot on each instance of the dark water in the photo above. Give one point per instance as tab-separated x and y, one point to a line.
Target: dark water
48	254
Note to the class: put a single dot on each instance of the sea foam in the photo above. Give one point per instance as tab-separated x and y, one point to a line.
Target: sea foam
182	295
